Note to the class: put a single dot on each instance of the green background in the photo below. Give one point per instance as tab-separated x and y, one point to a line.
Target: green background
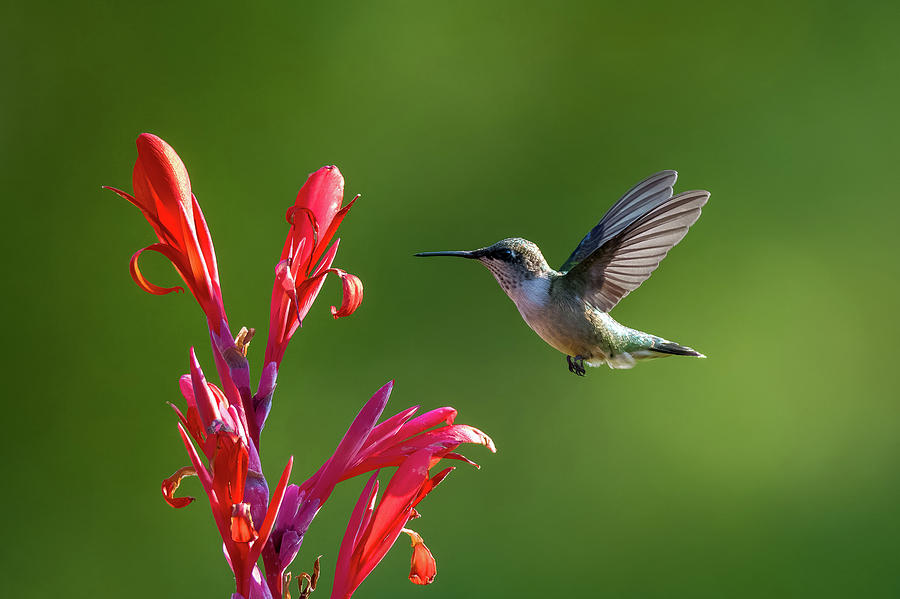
768	470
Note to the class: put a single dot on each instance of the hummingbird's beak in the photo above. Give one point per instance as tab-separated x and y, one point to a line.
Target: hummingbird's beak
457	254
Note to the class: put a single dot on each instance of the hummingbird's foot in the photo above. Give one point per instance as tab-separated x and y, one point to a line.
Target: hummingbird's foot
576	365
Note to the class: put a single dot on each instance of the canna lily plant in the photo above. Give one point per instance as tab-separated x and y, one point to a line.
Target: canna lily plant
262	530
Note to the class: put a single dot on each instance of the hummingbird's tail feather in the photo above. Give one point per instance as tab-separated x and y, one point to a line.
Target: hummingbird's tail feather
668	347
656	348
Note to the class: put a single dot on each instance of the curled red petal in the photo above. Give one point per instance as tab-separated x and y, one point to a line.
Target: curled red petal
422	567
170	485
353	294
458	456
167	251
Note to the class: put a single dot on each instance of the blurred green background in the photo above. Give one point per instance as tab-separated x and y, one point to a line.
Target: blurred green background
768	470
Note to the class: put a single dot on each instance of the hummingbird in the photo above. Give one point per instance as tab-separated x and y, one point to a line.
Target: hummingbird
569	308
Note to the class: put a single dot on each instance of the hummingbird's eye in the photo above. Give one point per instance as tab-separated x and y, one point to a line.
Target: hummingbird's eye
506	254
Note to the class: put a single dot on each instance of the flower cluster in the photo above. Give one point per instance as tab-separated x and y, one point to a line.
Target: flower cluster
221	425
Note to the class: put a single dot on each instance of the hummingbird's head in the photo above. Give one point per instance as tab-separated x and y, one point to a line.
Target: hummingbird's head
512	261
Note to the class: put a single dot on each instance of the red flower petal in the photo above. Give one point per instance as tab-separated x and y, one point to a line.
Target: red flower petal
359	521
241	523
161	177
386	432
272	512
170	485
422	568
427	420
325	239
229	466
353	294
394	508
142	282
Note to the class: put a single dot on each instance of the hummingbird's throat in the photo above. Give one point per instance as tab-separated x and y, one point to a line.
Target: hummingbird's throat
530	294
506	279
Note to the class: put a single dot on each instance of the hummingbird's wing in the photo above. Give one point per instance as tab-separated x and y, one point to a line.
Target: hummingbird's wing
637	201
628	256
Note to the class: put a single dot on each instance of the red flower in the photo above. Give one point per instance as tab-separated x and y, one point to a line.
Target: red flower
372	531
220	431
162	190
306	259
367	446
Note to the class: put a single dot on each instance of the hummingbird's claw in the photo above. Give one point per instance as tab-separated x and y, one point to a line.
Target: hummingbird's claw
576	365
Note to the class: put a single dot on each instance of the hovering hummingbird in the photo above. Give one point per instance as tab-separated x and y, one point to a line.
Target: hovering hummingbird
569	308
